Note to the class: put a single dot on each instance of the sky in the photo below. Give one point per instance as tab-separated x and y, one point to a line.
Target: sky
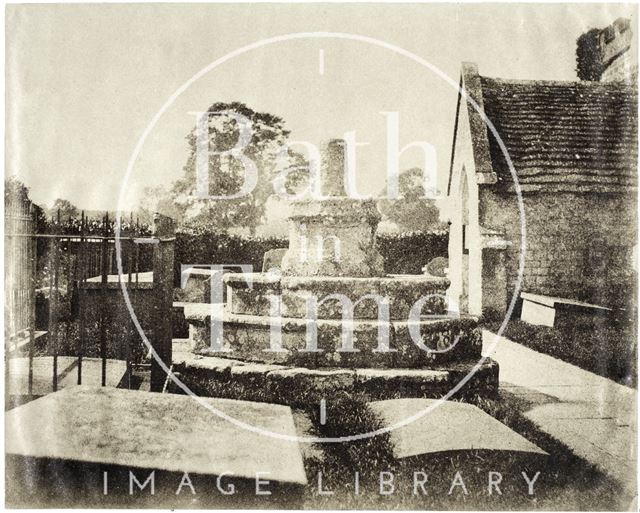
84	81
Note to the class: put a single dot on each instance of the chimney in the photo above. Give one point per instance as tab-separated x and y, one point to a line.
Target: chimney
605	54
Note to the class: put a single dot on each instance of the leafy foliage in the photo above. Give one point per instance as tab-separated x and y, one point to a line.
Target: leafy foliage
411	211
16	192
409	252
64	208
206	248
589	64
403	253
227	173
156	199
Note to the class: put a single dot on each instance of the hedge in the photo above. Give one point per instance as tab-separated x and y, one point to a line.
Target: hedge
404	253
408	253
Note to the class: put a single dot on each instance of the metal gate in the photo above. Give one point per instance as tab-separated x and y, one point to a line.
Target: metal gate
64	316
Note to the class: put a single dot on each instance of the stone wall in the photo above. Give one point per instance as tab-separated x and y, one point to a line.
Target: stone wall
467	172
620	69
119	326
615	43
579	246
580	243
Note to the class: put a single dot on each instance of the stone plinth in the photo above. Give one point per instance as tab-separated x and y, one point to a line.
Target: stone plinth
333	236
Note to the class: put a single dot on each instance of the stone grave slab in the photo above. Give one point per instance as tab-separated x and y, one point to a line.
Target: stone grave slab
553	311
164	432
451	426
18	381
273	259
196	284
143	280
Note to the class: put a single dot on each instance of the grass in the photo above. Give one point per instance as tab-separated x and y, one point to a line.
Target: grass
606	350
565	482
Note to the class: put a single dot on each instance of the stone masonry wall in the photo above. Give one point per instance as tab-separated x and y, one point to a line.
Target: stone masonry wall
621	69
579	246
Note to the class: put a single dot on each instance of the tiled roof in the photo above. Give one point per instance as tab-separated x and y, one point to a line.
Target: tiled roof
566	135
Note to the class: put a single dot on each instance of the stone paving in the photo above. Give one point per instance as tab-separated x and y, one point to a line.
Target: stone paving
593	416
445	427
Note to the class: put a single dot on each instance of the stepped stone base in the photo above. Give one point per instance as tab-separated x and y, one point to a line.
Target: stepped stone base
248	337
399	292
210	376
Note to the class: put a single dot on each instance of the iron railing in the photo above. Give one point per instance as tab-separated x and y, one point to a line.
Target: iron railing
64	284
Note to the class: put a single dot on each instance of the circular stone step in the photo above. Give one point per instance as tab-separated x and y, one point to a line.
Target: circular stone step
210	376
260	339
368	297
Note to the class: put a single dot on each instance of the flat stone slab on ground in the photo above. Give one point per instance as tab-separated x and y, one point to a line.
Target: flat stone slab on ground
552	301
156	431
550	311
449	426
139	280
18	382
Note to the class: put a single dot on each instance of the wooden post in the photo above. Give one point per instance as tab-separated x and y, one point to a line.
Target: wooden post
53	301
163	255
82	296
103	295
33	241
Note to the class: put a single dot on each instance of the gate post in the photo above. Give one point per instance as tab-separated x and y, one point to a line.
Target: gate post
163	255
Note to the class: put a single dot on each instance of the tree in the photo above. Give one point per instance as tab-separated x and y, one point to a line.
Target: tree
67	210
15	192
226	173
589	65
156	199
411	211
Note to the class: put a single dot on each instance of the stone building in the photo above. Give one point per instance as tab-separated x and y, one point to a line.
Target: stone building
573	146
